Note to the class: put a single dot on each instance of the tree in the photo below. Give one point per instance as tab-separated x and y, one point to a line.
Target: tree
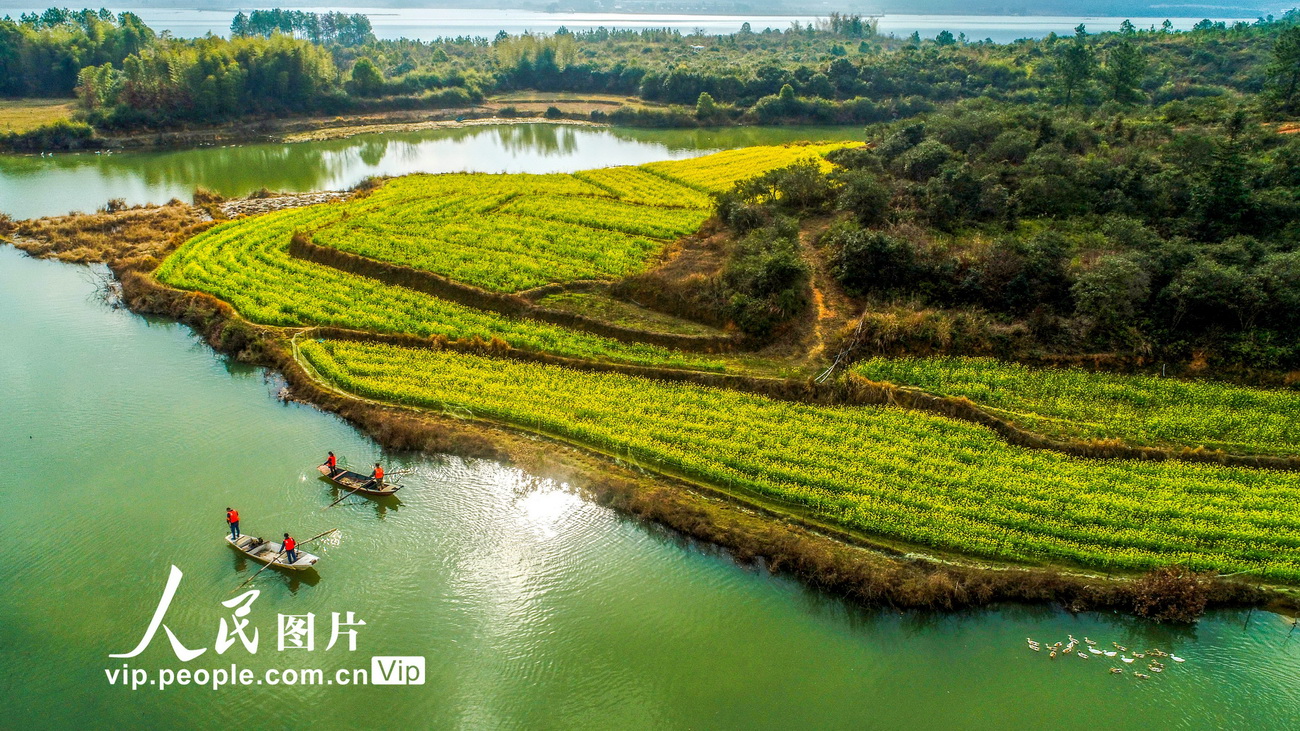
1074	65
869	261
766	280
239	26
1127	28
1207	293
705	108
1108	295
862	194
97	86
1284	70
1125	66
367	79
945	38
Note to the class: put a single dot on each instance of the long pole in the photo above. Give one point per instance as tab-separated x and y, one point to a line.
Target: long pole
345	497
277	558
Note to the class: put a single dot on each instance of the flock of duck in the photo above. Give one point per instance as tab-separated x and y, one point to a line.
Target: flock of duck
1152	658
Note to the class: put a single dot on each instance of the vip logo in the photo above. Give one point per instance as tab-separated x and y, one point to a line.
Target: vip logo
397	670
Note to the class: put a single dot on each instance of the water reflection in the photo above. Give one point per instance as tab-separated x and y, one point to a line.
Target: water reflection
38	186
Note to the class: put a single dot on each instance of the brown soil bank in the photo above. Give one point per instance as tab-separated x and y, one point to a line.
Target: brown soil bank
837	562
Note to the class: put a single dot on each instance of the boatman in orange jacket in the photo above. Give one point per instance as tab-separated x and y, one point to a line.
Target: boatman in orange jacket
377	477
289	545
332	463
232	517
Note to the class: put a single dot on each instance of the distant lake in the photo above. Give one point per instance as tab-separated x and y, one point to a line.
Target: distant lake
429	23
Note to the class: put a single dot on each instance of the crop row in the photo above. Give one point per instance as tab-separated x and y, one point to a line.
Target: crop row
1144	410
635	185
612	215
719	172
249	266
906	475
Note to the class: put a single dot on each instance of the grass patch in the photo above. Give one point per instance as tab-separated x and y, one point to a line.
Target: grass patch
25	115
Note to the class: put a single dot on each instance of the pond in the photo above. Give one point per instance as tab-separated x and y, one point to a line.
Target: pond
33	186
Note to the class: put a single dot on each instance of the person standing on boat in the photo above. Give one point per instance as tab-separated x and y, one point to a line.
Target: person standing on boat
332	463
289	545
377	477
232	517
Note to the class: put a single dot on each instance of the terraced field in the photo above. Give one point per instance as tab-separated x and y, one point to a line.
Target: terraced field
500	232
250	267
905	475
509	233
1143	410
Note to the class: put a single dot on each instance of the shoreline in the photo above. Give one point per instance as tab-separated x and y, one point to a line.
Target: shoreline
314	129
290	130
867	571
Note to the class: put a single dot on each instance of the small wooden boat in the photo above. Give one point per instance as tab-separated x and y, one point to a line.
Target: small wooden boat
353	481
269	552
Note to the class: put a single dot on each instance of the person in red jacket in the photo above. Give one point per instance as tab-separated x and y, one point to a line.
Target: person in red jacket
332	463
377	478
289	546
232	517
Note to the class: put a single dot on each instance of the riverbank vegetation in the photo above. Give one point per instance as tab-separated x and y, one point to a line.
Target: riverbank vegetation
839	71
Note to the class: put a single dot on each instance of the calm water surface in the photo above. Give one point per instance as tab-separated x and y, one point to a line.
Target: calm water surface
124	439
31	185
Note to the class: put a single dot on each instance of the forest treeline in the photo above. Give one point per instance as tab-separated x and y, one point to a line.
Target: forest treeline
1125	233
838	70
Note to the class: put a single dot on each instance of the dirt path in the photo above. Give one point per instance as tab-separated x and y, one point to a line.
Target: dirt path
831	309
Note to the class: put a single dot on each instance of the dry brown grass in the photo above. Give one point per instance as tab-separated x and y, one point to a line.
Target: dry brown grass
109	234
23	115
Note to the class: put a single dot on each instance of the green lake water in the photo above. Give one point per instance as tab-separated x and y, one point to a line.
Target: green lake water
125	438
33	186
